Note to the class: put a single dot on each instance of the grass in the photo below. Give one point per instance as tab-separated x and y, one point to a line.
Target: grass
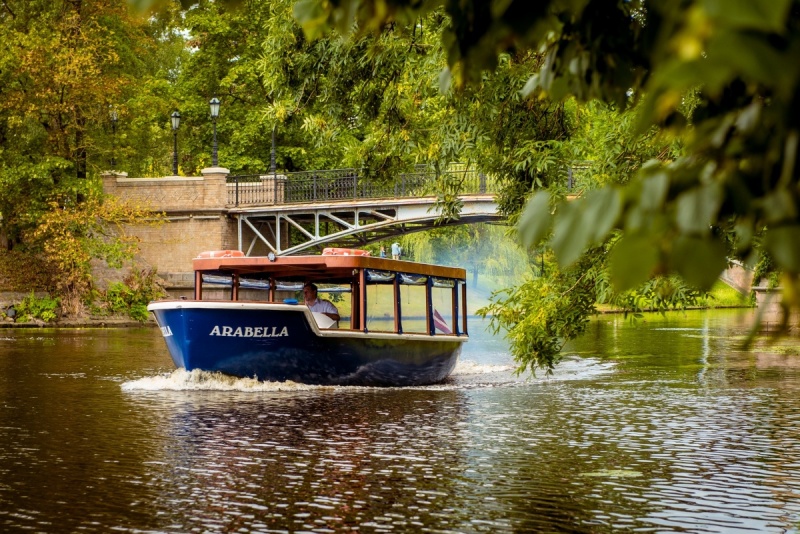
721	296
724	296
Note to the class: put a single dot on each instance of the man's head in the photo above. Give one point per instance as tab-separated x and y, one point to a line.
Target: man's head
310	292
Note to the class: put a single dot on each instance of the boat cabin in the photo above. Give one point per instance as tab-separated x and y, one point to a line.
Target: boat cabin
372	294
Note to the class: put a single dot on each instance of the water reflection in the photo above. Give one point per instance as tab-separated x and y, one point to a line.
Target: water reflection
669	426
309	460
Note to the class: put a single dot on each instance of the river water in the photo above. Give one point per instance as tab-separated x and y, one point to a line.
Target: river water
665	426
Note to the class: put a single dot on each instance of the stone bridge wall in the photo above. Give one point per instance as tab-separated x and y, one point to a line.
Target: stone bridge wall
195	218
738	277
172	192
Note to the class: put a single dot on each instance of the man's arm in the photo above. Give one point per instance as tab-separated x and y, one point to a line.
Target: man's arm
331	311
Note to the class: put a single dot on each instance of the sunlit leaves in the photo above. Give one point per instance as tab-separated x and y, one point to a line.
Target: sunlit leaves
632	261
540	314
584	222
654	191
696	209
699	260
767	15
535	221
311	15
70	235
783	244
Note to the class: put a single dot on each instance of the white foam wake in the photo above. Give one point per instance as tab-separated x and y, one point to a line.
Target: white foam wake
469	367
197	380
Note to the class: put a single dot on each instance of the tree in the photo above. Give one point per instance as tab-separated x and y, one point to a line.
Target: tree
62	65
718	81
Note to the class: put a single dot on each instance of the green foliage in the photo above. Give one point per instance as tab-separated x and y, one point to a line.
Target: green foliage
540	314
765	270
715	84
70	235
33	307
724	296
658	294
65	65
131	296
691	159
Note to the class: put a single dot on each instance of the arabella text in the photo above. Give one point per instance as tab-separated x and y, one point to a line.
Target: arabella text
249	331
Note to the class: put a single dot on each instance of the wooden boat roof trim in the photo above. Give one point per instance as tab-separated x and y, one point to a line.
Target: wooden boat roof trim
319	267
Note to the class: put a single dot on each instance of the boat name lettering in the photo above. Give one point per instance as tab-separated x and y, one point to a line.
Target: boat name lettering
165	331
249	331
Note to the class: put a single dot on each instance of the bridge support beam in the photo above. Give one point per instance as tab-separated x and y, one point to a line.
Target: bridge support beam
350	224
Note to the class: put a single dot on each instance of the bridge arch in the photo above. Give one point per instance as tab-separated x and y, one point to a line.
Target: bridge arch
293	228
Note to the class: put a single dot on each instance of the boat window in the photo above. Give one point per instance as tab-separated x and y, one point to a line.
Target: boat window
413	304
380	307
288	286
379	276
442	300
337	294
413	279
219	288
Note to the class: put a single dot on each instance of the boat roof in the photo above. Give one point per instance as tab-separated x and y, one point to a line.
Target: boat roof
317	268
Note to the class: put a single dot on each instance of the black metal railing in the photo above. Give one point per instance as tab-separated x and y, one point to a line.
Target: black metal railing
347	184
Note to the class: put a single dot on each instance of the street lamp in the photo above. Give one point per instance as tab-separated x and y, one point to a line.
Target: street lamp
272	153
114	117
214	114
176	121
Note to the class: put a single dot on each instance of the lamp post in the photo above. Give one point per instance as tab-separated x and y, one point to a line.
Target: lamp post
214	102
176	121
272	167
114	117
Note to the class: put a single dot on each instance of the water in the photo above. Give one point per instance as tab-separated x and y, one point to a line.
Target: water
668	426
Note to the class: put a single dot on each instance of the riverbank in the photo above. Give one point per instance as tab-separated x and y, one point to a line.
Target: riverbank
722	296
82	322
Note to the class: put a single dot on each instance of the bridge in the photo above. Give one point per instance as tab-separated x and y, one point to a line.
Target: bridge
291	213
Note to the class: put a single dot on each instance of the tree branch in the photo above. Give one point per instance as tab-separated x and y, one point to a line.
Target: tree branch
5	5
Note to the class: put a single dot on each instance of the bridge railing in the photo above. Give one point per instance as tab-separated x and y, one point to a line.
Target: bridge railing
346	184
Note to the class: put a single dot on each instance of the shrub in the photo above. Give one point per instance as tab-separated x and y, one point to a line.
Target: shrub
33	307
132	295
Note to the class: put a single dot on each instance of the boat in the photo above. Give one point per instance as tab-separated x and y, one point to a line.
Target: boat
401	323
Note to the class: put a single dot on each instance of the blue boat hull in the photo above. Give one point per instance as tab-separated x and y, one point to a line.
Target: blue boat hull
276	342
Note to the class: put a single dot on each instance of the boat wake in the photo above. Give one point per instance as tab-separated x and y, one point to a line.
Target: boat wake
468	374
469	367
197	380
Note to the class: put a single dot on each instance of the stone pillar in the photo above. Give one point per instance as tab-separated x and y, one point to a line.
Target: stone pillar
110	181
216	188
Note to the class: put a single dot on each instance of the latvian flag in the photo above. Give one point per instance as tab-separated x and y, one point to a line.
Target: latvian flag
439	322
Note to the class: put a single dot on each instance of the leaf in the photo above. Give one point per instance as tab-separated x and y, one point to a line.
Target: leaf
602	210
699	261
779	206
782	244
697	209
311	16
632	261
571	232
445	80
530	86
535	221
654	191
767	15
